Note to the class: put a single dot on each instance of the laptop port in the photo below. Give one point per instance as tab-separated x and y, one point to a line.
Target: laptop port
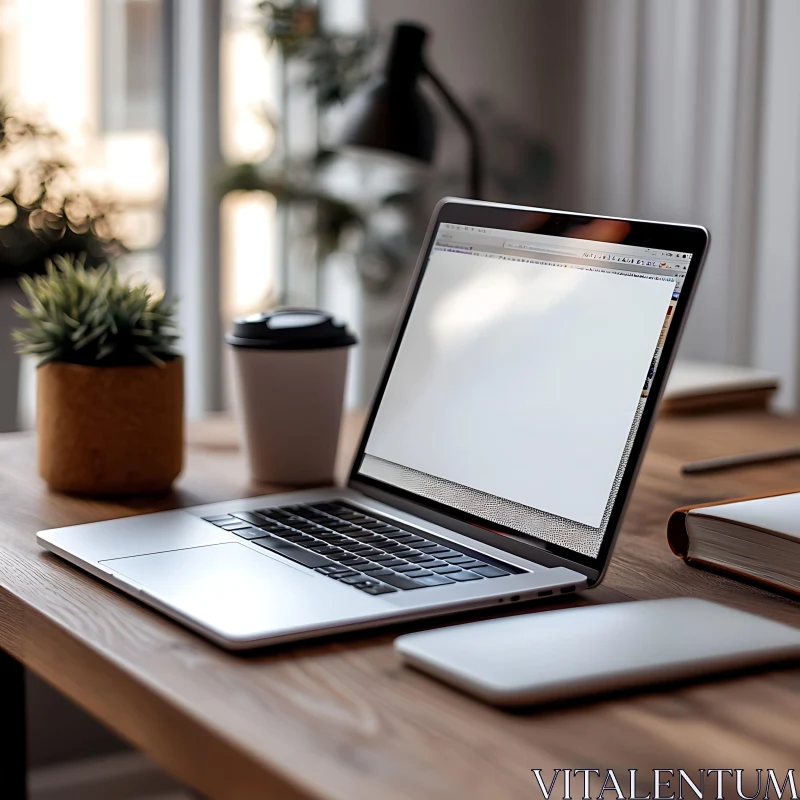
567	589
546	593
514	598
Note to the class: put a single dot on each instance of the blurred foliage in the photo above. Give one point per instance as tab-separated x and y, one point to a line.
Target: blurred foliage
297	181
338	215
44	212
388	223
338	63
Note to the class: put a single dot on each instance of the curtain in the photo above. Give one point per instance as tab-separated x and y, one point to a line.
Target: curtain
691	113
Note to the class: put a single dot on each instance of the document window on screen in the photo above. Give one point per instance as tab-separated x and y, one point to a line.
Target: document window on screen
521	378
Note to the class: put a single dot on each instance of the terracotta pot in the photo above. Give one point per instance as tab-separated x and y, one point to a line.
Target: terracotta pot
110	430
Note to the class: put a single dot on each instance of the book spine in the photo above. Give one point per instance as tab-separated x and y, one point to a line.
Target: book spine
677	535
678	540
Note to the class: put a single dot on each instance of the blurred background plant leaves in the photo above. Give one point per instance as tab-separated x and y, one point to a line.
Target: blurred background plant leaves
379	214
337	62
44	211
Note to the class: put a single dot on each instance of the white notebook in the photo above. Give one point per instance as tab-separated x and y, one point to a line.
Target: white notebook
693	378
696	386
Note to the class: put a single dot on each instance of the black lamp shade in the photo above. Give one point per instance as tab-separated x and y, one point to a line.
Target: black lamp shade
385	118
390	113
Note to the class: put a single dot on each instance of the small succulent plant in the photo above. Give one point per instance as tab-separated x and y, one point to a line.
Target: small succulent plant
90	316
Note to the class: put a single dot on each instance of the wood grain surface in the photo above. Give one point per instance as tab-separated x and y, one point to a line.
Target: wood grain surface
341	718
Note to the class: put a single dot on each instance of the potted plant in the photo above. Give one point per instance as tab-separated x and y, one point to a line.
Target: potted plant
109	380
44	212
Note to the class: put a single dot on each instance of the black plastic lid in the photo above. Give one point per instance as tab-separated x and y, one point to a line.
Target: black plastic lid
290	329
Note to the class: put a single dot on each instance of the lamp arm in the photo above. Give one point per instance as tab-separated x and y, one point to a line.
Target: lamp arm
473	139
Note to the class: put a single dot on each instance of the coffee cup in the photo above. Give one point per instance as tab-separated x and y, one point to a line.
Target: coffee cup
290	367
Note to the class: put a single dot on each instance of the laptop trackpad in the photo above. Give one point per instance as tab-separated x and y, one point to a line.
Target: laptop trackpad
241	593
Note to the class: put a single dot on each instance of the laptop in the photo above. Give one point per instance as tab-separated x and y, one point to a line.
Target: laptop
499	454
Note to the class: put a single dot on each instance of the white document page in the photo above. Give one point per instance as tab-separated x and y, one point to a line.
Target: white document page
521	380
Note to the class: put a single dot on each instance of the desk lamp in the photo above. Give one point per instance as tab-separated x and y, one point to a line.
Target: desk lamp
390	113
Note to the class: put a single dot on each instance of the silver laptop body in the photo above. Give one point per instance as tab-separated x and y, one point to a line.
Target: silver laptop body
210	568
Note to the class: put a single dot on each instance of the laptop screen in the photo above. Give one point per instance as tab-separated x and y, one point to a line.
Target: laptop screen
522	376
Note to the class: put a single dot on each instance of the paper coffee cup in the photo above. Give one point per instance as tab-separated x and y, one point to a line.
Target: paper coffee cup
290	367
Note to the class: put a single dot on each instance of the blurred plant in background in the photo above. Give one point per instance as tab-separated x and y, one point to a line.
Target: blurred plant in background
370	226
374	211
44	212
348	214
337	61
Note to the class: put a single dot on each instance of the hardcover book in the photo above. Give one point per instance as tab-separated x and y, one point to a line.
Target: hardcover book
755	538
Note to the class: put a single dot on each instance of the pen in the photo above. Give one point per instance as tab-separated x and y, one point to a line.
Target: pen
741	460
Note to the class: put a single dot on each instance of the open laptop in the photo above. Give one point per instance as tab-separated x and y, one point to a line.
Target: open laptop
499	454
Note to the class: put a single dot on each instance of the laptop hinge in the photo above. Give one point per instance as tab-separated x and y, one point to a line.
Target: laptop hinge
516	545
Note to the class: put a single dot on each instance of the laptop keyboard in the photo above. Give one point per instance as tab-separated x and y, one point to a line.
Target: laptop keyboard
359	549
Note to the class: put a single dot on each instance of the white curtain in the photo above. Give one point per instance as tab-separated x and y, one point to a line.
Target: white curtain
691	112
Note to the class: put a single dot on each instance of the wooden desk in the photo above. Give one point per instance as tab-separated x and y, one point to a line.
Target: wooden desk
342	719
